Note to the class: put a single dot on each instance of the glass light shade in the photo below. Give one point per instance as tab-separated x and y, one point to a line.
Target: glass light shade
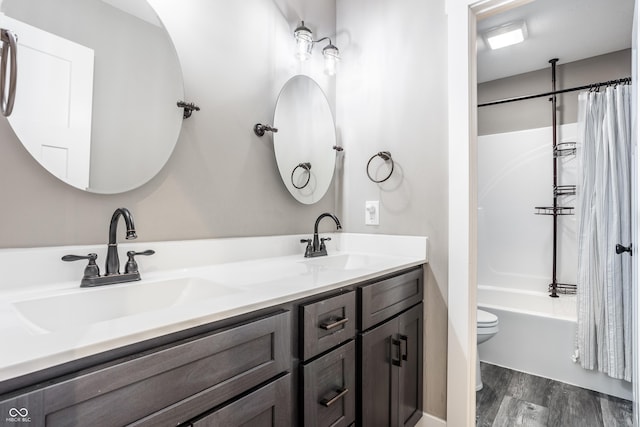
304	42
331	59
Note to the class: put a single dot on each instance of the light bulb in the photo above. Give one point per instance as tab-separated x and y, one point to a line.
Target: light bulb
331	59
304	42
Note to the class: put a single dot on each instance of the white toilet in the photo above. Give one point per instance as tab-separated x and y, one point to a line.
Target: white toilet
487	328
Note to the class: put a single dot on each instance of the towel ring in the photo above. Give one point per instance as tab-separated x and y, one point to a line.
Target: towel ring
306	166
386	156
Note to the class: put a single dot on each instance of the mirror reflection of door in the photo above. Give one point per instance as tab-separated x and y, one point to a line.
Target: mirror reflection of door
52	113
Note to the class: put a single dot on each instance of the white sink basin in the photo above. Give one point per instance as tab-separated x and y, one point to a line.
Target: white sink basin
111	302
345	261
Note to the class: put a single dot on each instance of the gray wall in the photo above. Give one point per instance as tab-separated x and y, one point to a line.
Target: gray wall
392	96
536	113
221	179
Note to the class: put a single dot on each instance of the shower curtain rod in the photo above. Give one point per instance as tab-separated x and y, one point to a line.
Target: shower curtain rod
555	92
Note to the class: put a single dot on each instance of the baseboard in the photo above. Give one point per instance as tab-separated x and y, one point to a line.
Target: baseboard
430	421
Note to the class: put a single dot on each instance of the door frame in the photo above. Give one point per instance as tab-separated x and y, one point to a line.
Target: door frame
635	220
462	126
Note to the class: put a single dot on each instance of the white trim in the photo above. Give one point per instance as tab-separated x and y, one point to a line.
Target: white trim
462	86
430	421
635	111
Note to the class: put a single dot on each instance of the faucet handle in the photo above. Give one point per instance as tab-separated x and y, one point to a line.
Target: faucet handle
132	265
307	250
91	270
322	240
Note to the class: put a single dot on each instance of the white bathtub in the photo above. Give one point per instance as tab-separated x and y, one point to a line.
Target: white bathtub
537	335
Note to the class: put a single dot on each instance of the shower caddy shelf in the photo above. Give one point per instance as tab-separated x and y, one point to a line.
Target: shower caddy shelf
561	149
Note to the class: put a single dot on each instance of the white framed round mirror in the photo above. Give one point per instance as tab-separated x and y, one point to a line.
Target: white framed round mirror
305	140
98	83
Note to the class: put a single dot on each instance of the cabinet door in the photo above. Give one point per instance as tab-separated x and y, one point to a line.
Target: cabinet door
268	406
329	388
391	373
410	328
377	351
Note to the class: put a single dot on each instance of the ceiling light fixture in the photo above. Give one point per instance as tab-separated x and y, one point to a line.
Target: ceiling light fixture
305	42
506	35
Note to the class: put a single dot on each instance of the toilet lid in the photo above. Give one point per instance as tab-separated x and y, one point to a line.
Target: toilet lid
486	319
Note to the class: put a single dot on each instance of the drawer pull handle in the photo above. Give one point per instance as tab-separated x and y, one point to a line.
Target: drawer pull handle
328	402
405	355
396	344
334	324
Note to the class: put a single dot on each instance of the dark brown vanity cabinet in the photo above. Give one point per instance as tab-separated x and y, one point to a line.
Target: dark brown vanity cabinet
176	383
391	352
344	357
328	368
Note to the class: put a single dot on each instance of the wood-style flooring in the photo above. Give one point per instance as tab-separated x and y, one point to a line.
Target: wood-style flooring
511	398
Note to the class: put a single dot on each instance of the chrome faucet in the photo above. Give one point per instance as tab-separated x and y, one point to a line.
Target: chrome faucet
316	247
113	261
112	265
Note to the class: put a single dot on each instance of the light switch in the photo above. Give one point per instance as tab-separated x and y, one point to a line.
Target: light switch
372	212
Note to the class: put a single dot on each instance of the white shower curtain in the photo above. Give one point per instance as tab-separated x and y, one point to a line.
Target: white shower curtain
604	200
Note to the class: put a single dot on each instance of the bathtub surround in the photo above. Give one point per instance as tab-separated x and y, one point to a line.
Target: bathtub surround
604	276
514	176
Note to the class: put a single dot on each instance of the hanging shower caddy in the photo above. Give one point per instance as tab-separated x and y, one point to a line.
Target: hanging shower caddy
559	191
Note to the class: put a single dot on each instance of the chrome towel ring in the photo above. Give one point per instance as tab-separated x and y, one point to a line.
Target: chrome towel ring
386	156
306	166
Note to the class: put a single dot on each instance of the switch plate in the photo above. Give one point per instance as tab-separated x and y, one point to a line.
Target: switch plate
372	212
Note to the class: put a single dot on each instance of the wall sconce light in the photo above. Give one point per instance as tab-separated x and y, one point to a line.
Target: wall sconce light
305	42
506	35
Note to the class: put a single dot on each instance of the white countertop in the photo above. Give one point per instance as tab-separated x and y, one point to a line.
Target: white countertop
252	273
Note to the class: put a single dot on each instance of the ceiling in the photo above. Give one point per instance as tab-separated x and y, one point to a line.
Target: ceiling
569	30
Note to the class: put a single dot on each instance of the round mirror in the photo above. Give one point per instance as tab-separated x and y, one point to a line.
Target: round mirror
305	140
98	83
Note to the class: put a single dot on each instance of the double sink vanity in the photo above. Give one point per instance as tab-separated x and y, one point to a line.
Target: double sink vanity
218	332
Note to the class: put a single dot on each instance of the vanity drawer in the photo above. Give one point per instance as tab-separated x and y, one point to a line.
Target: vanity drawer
171	384
386	298
329	388
327	323
268	406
